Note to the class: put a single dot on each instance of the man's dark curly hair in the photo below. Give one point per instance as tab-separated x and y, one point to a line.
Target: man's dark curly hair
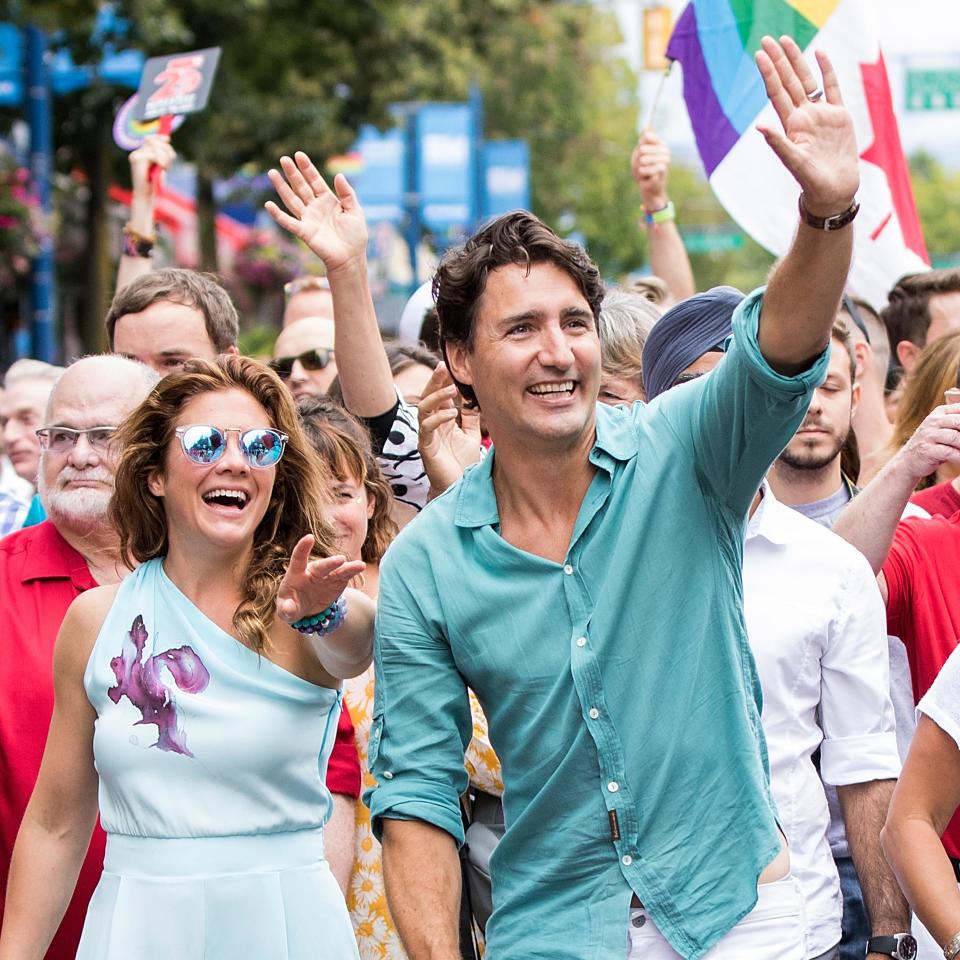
514	238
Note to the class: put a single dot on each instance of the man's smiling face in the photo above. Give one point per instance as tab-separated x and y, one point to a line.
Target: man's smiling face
534	363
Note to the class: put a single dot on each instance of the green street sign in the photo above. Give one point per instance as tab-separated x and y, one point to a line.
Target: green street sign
933	89
711	241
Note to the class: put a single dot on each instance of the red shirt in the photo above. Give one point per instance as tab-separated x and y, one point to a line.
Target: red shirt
941	500
923	607
343	769
40	575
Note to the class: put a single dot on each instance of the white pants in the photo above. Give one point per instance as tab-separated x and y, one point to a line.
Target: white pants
773	930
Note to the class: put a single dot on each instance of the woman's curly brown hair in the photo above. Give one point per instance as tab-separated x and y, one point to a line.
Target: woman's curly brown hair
343	444
296	504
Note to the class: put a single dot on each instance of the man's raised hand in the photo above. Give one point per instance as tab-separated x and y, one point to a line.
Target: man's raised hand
818	145
330	223
650	166
155	150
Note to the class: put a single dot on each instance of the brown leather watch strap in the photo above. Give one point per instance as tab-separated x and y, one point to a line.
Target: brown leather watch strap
836	222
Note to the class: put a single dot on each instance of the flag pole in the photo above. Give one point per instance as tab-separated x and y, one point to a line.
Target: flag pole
655	102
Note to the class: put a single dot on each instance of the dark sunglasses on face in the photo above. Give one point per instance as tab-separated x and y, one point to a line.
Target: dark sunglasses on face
261	447
310	360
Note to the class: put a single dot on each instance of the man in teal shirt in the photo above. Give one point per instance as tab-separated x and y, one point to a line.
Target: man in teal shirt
584	581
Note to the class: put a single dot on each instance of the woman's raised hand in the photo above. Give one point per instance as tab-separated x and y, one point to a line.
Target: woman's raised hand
330	222
310	586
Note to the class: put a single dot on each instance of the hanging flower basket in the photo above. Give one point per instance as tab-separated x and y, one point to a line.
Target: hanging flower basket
22	231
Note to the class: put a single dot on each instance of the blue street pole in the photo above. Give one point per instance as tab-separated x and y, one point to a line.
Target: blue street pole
411	196
478	203
40	120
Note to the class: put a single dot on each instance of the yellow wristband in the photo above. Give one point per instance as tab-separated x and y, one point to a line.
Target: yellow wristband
663	215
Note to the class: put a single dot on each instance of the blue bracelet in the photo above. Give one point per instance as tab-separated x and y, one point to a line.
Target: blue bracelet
324	622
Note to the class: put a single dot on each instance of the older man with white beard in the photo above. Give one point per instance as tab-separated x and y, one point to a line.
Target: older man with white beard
42	569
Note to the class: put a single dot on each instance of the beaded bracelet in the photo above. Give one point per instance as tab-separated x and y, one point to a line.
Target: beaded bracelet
324	622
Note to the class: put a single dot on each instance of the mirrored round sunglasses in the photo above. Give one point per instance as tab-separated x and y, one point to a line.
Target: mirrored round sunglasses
261	447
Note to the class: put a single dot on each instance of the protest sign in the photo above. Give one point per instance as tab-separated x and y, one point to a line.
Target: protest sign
176	84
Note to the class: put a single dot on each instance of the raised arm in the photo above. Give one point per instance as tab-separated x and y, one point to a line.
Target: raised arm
332	225
871	519
60	817
819	149
650	165
140	232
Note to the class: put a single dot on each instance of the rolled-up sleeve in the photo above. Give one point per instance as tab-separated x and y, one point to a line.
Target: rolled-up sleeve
860	742
422	722
941	703
737	419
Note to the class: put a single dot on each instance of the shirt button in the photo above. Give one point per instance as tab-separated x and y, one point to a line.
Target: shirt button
387	775
568	569
594	713
626	859
581	641
613	786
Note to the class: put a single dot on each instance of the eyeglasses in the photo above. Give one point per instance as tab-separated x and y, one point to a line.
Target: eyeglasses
62	439
261	447
309	360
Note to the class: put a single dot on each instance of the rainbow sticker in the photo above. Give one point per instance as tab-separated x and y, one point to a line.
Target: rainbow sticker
129	133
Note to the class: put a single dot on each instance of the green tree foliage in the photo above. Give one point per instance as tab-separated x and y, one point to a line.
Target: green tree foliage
557	79
293	74
935	190
700	213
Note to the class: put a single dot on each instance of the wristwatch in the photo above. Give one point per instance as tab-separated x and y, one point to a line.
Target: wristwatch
900	946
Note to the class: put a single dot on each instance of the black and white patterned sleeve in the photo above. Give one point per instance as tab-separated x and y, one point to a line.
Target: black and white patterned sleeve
400	459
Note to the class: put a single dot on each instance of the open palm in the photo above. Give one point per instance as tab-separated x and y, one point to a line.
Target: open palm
329	222
310	586
818	144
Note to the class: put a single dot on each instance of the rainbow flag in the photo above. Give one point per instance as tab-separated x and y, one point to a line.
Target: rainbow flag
715	42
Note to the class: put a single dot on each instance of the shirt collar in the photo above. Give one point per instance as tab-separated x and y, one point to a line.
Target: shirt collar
50	557
768	519
616	440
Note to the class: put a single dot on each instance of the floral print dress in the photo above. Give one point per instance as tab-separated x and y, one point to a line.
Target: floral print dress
377	937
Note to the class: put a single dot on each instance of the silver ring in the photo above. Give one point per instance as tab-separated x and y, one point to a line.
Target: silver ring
815	96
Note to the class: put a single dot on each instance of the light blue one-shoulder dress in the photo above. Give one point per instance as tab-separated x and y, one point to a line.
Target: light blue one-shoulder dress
212	763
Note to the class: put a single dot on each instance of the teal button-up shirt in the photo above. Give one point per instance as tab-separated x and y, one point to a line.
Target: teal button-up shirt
620	691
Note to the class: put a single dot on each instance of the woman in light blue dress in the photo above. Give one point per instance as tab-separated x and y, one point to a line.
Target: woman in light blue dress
188	702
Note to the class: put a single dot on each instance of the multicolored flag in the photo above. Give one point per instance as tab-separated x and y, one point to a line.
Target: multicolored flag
715	41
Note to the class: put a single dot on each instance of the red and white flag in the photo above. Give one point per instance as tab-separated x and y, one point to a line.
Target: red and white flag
715	40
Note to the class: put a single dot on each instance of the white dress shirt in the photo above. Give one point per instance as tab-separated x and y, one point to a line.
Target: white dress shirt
817	628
